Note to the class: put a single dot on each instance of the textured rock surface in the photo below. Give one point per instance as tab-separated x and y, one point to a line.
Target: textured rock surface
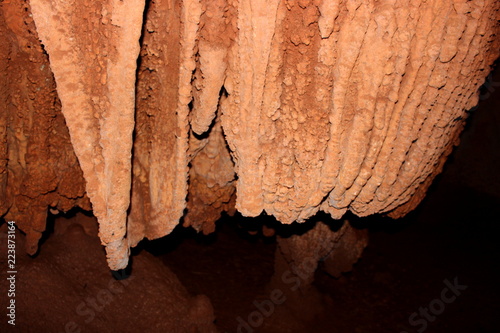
93	49
163	95
68	288
353	106
324	105
38	167
211	181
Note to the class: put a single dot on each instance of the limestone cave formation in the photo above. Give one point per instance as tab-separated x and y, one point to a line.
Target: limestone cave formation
220	165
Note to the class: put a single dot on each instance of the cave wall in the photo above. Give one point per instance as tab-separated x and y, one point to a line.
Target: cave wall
185	109
38	166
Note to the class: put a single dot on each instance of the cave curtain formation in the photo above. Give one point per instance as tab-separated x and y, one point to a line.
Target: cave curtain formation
149	112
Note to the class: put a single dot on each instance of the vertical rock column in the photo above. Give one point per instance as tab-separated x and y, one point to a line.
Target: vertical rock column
93	49
212	180
164	92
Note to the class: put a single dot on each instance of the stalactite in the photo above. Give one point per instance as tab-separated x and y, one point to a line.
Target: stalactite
282	107
93	49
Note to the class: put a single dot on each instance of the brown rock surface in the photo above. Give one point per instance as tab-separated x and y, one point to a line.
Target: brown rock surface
69	288
160	163
211	181
38	168
93	49
352	106
324	105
